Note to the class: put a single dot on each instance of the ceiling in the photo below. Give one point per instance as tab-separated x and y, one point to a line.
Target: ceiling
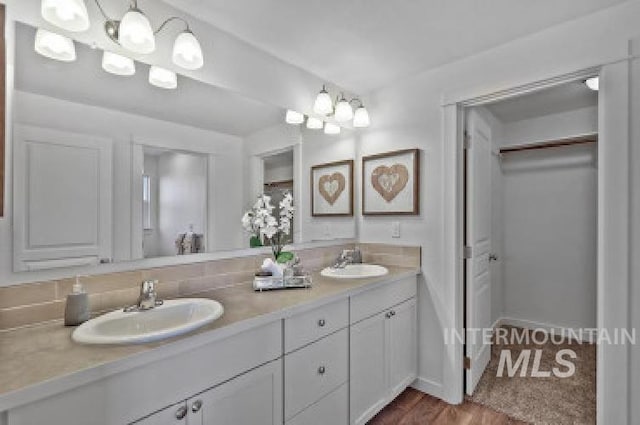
554	100
362	45
84	81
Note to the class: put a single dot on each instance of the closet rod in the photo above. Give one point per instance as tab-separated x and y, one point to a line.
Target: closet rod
551	144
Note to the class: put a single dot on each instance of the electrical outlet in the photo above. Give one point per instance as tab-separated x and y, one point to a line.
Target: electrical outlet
395	229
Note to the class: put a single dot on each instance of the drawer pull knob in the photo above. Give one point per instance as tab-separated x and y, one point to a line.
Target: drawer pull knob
321	323
388	315
196	406
181	412
321	370
392	313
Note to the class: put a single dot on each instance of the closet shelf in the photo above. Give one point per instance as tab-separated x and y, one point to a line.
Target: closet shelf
551	144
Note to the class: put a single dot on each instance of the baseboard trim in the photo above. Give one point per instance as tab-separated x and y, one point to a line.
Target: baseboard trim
428	386
588	335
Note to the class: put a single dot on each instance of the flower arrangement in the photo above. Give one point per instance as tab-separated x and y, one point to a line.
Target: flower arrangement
260	222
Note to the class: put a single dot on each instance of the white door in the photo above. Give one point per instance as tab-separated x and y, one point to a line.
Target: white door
478	246
62	198
254	398
403	346
368	374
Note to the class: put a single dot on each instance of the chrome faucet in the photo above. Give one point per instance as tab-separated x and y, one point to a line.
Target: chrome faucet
346	257
148	298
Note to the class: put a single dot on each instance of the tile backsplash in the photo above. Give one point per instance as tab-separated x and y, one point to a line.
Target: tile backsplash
32	303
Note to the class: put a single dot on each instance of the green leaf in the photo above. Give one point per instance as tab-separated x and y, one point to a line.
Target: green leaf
285	256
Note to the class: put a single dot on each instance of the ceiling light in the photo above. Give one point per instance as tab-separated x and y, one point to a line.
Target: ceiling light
187	52
361	117
293	117
330	128
55	46
135	32
118	64
593	83
323	104
70	15
314	123
163	78
344	112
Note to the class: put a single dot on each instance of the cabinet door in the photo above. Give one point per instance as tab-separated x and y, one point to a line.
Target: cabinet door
254	398
368	368
63	198
403	346
172	415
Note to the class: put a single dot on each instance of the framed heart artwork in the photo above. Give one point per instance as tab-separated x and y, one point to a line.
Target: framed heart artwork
391	183
332	189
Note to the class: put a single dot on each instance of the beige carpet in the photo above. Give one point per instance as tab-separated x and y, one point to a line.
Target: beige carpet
543	401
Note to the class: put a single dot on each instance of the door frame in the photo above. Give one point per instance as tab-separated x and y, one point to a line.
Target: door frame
613	228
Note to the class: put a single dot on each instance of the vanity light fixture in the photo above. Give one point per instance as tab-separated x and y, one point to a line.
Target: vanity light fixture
293	117
361	117
118	64
330	128
343	111
70	15
314	123
593	83
163	78
55	46
323	104
135	33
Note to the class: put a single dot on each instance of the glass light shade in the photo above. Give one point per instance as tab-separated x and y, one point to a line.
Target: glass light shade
314	123
118	64
323	104
135	32
187	52
330	128
593	83
163	78
344	112
293	117
361	118
70	15
55	46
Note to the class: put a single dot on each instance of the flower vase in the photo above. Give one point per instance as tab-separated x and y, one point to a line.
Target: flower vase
255	242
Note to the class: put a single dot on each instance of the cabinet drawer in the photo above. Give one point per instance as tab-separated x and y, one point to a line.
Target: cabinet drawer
332	409
314	371
304	328
374	301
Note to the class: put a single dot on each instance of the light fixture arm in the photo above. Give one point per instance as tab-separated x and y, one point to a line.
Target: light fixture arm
104	14
173	18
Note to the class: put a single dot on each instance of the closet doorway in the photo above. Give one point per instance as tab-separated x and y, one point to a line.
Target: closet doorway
530	232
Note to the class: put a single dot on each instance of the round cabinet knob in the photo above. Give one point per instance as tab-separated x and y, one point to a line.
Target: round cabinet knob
321	323
181	412
196	406
388	315
392	313
321	370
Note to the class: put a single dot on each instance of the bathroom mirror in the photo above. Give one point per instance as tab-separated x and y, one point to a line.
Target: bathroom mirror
110	168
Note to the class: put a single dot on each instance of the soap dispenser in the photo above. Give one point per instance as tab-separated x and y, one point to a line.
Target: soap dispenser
77	308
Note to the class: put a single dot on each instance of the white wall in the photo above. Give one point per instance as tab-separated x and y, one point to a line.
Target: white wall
278	173
550	227
123	128
408	114
182	198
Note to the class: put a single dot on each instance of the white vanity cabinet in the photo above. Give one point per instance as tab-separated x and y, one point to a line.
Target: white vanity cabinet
383	347
254	398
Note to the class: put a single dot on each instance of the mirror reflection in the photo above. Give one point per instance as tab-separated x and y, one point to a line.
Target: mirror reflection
112	167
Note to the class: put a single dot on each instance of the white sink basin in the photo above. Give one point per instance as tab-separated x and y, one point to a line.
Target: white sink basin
174	317
355	271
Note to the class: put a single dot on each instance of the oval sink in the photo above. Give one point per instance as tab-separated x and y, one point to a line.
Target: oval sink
355	271
174	317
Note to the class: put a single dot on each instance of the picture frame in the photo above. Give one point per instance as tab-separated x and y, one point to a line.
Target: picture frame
391	183
332	189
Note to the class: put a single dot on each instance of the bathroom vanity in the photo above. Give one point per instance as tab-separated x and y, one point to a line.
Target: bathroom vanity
333	354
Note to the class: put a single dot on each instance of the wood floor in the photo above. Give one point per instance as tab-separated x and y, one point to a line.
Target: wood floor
415	408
